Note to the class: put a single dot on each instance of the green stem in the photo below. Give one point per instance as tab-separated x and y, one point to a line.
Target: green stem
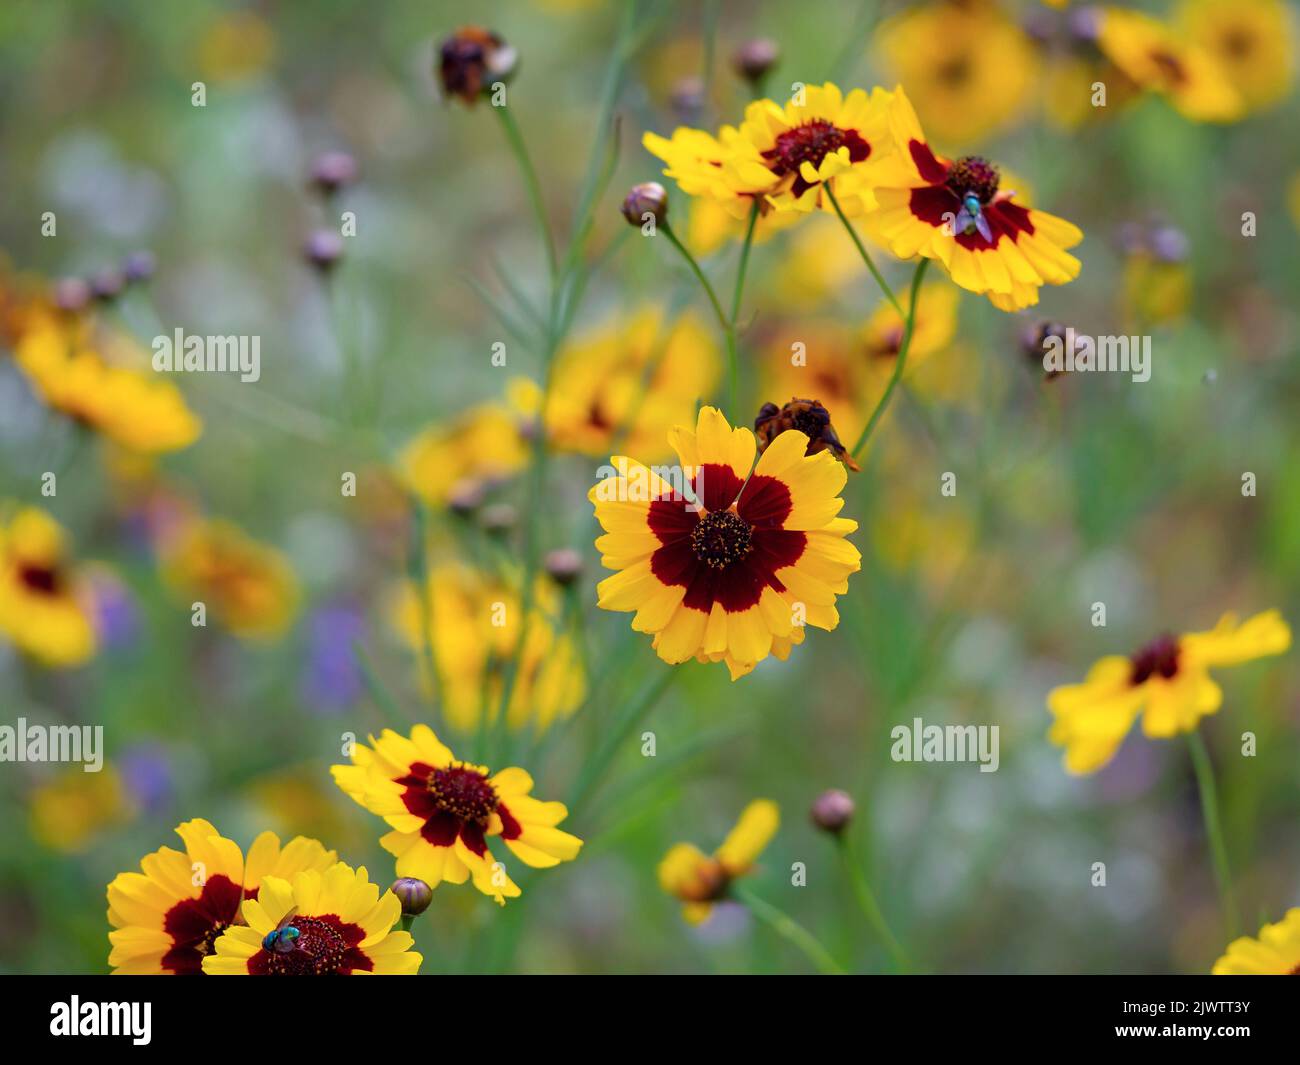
789	929
728	324
867	901
899	362
1204	769
418	573
733	387
516	141
862	250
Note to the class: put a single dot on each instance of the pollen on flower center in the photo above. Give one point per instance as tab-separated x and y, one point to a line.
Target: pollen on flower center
1159	657
973	173
463	792
318	951
811	143
721	538
42	579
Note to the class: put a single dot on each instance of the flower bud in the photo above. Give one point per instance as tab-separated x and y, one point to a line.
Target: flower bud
465	498
832	810
471	60
687	99
564	565
323	249
648	198
106	285
414	895
1034	343
71	294
331	171
755	58
138	266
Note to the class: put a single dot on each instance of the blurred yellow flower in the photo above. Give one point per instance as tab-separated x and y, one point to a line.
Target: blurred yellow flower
1276	952
968	68
45	604
487	443
630	380
781	156
335	923
69	811
700	880
817	262
1155	292
1252	40
248	586
235	45
167	918
443	812
69	370
1167	682
730	564
473	626
1162	61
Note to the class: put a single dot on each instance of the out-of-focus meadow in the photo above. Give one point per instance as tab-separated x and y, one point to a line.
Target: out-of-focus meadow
970	606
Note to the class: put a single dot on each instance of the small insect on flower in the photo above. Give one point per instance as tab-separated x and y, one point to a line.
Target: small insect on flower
701	880
330	923
1168	682
283	936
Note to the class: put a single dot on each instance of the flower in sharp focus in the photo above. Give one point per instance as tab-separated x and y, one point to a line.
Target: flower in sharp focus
782	155
1275	952
956	211
628	381
809	417
46	606
473	627
167	917
729	565
968	68
1252	40
1162	61
317	923
249	586
1167	682
471	60
443	813
700	880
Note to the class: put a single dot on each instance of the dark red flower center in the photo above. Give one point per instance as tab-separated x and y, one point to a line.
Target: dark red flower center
811	143
973	173
1170	66
464	793
953	72
720	539
1158	658
195	924
44	580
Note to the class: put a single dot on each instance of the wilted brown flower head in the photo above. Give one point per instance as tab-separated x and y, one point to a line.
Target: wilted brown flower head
471	59
811	419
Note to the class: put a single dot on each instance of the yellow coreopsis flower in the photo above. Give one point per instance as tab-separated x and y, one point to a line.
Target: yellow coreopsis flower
782	156
968	68
330	923
631	379
729	565
487	443
45	603
444	812
1167	682
249	586
130	406
1162	61
1275	953
71	810
473	628
167	917
700	880
1252	40
956	211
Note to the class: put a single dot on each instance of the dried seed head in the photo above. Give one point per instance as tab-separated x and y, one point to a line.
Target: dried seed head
471	60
